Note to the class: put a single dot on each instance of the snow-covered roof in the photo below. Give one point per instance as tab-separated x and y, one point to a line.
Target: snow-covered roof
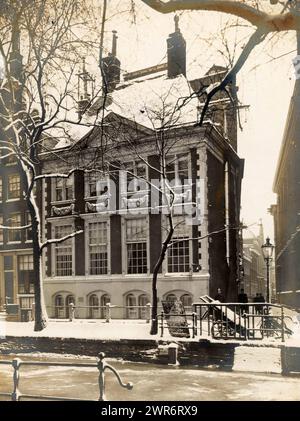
157	101
153	101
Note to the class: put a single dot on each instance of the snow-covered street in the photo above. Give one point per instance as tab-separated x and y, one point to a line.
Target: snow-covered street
151	382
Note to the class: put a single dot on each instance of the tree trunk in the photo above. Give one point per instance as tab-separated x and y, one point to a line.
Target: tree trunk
40	317
154	319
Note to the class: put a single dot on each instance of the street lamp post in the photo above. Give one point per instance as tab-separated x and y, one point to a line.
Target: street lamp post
267	250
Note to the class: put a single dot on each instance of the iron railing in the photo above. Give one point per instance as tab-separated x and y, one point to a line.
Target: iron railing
189	322
101	365
241	320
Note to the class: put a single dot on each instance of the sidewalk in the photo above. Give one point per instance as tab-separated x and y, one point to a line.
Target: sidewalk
119	329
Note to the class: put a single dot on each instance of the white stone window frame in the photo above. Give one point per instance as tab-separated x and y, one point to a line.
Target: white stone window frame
174	238
55	224
27	222
94	219
102	178
180	188
64	184
124	246
134	165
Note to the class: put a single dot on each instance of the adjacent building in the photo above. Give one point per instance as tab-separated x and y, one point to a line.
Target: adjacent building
254	268
16	258
286	210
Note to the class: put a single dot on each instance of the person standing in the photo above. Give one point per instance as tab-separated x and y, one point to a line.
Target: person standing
243	298
219	296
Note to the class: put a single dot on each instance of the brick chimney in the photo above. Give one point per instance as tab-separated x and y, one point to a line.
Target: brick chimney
176	51
111	66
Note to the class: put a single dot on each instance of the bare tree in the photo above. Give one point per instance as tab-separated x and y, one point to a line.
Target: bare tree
38	97
285	18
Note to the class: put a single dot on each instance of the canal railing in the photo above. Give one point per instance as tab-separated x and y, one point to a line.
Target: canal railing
241	321
101	365
246	321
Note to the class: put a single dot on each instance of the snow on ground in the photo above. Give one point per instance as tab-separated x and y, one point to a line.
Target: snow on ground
119	329
84	329
260	360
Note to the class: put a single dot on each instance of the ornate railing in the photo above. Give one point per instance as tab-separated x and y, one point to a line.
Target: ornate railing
101	365
254	321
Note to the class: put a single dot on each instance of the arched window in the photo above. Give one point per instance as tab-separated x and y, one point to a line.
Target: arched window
143	301
94	306
171	298
105	299
132	312
69	299
59	307
186	300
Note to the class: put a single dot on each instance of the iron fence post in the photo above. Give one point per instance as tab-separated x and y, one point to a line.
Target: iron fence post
282	325
15	396
162	324
101	380
148	306
71	312
108	313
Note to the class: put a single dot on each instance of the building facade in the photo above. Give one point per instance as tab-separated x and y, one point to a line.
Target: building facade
113	258
286	210
254	267
16	258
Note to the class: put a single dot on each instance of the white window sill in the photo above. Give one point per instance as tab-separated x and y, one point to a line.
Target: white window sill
92	197
13	200
13	242
62	202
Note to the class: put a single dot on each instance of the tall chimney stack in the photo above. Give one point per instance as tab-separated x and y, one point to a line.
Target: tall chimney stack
176	51
111	66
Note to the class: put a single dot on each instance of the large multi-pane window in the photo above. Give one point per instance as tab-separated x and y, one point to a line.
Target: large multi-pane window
26	275
179	252
28	232
96	185
14	221
1	230
63	189
14	186
98	248
136	241
136	177
177	169
63	251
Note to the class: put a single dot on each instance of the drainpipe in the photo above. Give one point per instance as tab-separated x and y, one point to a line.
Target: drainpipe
227	212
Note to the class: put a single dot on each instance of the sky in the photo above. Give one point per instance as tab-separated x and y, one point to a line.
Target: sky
265	84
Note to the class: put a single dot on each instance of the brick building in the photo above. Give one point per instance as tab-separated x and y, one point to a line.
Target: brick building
16	259
112	260
286	210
